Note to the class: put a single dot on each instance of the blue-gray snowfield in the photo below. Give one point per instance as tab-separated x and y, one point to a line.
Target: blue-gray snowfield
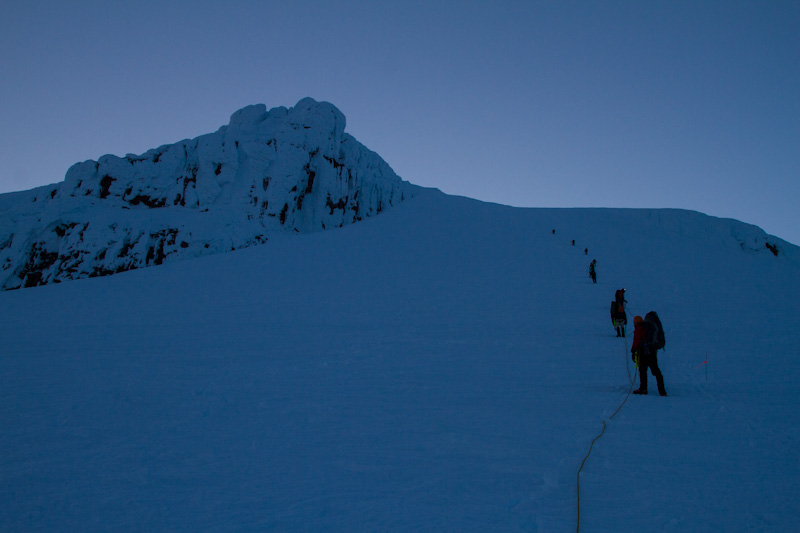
442	366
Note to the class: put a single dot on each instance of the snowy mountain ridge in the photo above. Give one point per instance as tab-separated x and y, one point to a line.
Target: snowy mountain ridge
266	171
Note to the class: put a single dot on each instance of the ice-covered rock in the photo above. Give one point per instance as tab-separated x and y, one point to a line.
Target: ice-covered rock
278	170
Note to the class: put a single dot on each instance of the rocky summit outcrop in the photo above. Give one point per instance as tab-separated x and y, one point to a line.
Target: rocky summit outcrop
266	171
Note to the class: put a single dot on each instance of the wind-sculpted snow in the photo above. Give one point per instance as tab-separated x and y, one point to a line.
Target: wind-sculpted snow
266	171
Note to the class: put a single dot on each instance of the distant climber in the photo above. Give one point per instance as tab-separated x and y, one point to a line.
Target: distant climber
772	248
592	271
585	251
619	319
648	338
573	242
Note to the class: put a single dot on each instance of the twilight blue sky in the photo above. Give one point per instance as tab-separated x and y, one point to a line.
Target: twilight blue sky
685	104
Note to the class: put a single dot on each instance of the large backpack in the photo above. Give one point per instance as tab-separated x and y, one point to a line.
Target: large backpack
619	296
655	332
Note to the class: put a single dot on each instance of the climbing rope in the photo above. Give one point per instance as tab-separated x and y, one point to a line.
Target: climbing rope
630	378
578	481
627	362
579	473
630	390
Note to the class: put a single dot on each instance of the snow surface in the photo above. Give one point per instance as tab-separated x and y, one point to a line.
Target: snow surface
443	366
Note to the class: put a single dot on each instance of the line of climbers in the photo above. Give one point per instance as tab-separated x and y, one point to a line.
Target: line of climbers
648	338
648	335
592	271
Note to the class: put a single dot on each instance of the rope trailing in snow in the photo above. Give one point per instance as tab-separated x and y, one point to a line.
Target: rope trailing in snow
627	362
627	366
623	401
581	468
630	378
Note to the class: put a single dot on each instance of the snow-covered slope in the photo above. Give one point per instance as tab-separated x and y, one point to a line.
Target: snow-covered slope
444	366
284	169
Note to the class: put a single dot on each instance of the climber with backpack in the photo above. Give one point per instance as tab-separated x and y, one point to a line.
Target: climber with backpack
648	338
618	317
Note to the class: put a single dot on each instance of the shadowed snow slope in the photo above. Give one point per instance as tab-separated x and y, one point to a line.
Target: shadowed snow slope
441	367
